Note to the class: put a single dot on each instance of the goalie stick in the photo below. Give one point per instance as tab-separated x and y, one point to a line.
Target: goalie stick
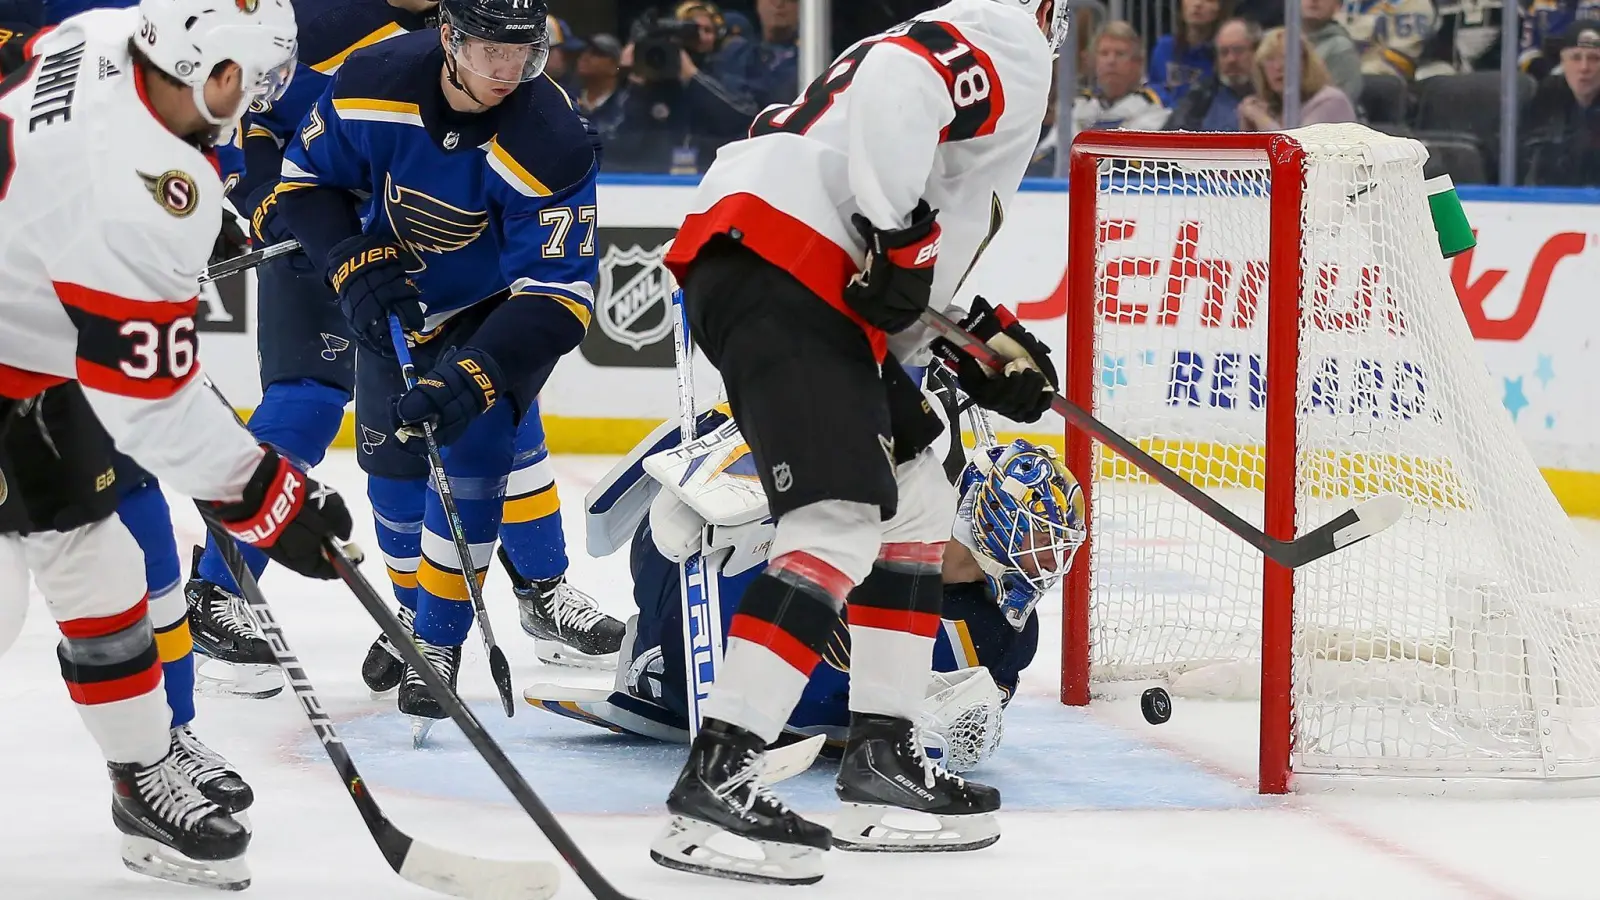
437	869
245	261
697	589
1359	523
499	668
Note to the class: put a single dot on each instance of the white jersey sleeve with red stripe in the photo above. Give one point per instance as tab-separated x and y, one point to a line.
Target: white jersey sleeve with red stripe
106	221
947	107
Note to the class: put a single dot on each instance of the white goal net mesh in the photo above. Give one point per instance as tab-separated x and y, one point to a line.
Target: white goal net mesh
1465	640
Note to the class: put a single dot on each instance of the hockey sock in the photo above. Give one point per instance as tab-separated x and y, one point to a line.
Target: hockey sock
113	673
531	529
774	641
397	514
894	615
299	419
144	511
477	464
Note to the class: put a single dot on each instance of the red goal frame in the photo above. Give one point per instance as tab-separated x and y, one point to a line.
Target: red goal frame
1286	161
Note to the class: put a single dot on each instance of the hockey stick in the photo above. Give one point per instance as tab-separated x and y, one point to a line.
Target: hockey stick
247	261
702	609
499	668
1363	521
437	869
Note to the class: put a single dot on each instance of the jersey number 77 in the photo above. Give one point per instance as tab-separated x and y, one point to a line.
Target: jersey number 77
967	71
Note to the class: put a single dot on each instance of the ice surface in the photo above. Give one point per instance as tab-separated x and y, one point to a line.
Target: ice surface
1100	804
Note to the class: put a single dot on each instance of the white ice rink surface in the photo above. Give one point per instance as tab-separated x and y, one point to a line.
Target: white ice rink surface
1100	804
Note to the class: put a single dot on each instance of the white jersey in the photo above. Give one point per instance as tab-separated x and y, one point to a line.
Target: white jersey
946	108
106	221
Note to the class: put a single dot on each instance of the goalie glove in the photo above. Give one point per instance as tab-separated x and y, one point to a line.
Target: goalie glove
1023	390
893	290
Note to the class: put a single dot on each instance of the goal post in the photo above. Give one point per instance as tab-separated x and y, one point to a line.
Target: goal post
1270	315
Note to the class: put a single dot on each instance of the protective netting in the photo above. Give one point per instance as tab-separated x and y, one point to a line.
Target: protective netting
1465	639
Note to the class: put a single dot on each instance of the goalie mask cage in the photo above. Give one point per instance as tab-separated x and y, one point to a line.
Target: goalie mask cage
1269	315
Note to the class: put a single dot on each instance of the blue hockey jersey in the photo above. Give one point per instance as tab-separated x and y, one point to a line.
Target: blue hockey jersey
499	203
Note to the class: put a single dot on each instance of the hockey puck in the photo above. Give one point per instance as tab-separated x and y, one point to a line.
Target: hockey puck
1156	704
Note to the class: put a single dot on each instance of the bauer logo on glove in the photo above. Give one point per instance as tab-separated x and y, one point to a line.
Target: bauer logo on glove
386	253
462	386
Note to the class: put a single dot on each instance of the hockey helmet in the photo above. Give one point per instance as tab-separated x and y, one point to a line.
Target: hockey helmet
188	38
502	40
1060	17
1027	516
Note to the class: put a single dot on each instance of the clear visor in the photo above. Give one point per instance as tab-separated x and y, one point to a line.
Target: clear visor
271	84
504	63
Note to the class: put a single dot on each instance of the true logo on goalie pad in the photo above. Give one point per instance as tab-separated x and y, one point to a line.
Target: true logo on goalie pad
635	296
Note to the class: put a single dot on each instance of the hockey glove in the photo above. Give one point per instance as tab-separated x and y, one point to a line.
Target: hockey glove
287	515
894	289
371	280
231	240
463	384
1022	392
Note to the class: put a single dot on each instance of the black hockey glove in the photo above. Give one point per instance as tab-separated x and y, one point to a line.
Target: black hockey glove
893	290
287	515
463	384
372	283
1024	390
231	240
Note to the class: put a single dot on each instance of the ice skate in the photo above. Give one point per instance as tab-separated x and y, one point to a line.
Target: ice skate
417	701
897	800
567	628
172	832
231	654
383	669
720	803
211	774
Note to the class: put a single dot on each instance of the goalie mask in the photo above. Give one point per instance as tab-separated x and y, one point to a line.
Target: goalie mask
1023	513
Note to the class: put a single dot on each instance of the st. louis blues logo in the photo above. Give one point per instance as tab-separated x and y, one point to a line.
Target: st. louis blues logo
371	439
425	224
332	346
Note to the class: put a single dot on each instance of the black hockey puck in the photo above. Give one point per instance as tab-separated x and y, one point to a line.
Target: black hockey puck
1156	704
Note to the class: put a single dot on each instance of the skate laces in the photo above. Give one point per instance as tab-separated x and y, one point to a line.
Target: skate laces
438	657
194	759
932	772
171	794
233	612
572	608
749	774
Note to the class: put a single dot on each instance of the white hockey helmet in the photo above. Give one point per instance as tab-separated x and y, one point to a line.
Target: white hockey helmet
1059	17
188	38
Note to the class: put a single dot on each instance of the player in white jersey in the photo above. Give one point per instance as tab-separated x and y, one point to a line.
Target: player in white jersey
817	244
109	206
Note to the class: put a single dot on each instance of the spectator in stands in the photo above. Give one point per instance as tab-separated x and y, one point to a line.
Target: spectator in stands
1390	34
1187	57
1544	24
564	49
767	69
1119	98
1332	44
1320	101
1213	105
1564	122
601	96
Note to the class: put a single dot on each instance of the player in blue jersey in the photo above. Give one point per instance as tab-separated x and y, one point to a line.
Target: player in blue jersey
480	240
1000	561
303	345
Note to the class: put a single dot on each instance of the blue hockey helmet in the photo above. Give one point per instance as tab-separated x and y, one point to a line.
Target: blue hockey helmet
1027	518
502	40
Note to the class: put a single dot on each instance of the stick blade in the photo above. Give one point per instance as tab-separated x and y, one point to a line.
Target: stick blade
475	878
500	671
790	760
1360	522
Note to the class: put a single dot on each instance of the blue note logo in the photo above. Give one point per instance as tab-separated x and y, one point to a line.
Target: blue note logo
427	225
332	346
371	440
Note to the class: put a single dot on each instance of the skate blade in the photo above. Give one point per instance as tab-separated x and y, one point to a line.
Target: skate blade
864	828
421	727
690	845
257	682
152	858
555	653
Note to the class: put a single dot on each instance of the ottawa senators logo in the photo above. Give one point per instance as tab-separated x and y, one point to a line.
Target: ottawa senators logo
246	6
174	190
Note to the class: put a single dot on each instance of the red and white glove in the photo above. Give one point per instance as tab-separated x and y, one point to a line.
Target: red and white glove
286	514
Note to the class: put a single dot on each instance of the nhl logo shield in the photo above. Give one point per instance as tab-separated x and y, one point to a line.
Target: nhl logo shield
782	477
635	296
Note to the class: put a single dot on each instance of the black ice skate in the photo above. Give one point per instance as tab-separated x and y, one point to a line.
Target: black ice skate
885	776
416	700
210	773
383	668
567	628
172	832
231	654
720	794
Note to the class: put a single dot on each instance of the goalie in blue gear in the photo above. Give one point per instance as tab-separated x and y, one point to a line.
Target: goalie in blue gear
1018	525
